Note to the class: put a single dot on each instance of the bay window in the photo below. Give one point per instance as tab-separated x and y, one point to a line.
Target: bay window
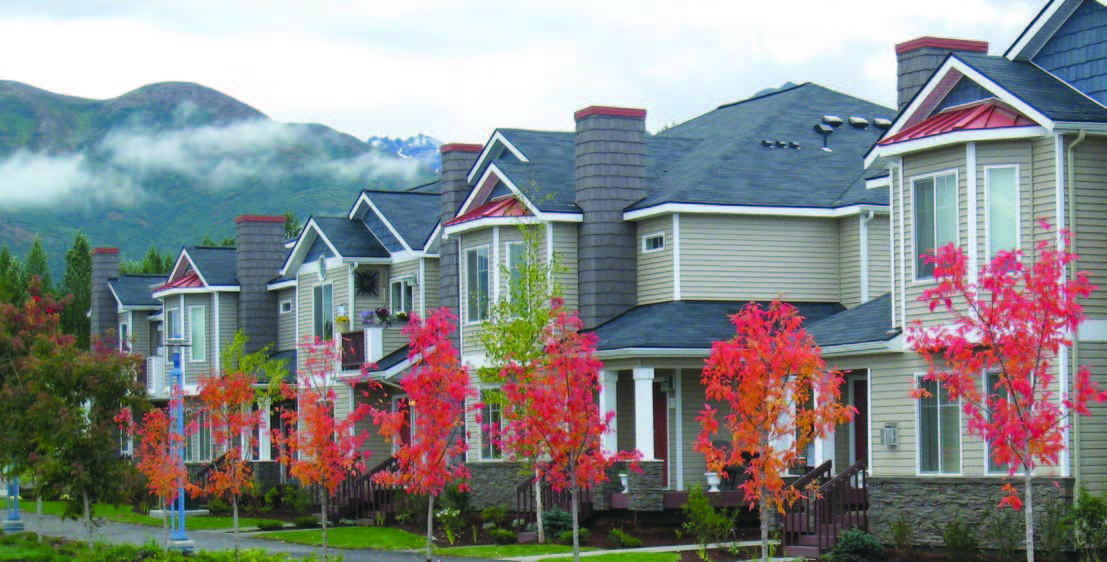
1001	187
197	333
935	200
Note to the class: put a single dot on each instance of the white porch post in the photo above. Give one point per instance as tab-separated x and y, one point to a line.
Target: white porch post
609	439
374	343
643	412
264	446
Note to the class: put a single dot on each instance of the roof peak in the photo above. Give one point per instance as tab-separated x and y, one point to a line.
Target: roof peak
764	94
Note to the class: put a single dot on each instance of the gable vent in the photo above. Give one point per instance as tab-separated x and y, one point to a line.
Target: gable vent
859	122
832	120
882	123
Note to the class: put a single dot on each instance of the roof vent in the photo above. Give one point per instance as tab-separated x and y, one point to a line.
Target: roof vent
766	142
832	120
827	149
859	122
793	144
824	129
882	123
781	144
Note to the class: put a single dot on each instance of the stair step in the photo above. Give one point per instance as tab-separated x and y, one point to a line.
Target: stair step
797	551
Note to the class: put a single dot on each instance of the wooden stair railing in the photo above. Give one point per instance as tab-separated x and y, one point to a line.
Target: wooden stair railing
361	497
551	499
812	524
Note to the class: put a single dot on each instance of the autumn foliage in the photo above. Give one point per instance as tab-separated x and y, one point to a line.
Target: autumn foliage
770	394
1014	322
157	461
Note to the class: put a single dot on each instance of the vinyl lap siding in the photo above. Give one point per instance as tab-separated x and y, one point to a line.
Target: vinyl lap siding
655	269
286	323
407	269
731	258
228	323
849	262
195	371
140	333
1090	163
339	277
880	261
367	302
565	256
1093	429
471	331
1000	154
430	286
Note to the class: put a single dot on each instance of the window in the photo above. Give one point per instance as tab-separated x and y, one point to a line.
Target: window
935	218
173	324
124	338
1001	185
197	333
491	424
939	431
653	242
324	312
198	444
286	306
991	380
476	268
403	296
516	258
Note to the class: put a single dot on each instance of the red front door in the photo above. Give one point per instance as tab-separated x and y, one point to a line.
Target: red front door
661	430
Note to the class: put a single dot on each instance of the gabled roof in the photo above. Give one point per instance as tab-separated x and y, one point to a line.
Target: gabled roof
869	322
506	206
413	215
1041	29
351	238
136	290
217	266
1055	99
982	115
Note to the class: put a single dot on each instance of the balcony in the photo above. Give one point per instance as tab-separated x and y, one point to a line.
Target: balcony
353	350
157	386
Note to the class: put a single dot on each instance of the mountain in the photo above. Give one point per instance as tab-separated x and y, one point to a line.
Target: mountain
420	147
169	163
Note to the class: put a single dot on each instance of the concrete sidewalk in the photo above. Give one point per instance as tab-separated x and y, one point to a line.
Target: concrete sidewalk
659	549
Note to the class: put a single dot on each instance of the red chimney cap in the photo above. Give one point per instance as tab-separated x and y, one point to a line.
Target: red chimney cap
460	147
609	111
259	218
98	251
942	43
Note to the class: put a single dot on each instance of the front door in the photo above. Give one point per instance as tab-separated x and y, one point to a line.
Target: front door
859	398
661	430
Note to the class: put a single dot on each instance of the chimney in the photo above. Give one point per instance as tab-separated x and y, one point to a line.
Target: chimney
919	58
105	311
259	245
457	160
610	175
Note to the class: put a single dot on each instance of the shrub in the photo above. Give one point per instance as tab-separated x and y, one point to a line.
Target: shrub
264	525
1005	532
273	498
451	522
495	515
703	522
1055	526
856	545
903	534
960	540
503	536
557	521
1089	519
619	539
566	537
297	500
455	498
305	522
218	507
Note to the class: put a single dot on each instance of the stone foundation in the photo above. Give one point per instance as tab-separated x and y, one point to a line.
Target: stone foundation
494	483
927	504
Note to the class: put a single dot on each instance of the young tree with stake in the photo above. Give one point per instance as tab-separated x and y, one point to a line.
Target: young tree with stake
157	461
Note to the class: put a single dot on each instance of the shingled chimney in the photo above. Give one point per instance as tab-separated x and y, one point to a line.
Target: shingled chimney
610	175
918	58
259	244
105	312
457	160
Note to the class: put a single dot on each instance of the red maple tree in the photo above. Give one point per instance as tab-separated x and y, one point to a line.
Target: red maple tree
775	396
1012	324
323	450
158	462
553	415
437	388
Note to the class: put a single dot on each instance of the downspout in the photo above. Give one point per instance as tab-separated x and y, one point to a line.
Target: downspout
1071	196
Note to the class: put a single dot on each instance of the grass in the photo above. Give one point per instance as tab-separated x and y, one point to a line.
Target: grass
625	557
507	550
123	514
19	552
378	538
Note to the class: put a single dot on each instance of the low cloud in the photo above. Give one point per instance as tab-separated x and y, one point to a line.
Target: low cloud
29	180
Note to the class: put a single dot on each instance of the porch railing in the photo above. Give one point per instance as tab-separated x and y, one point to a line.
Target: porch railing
525	506
353	350
362	497
840	503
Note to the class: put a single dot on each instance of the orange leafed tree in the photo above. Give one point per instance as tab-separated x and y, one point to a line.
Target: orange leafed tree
770	393
1012	323
437	388
157	461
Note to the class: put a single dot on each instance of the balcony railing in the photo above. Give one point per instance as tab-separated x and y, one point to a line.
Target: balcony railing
156	382
353	350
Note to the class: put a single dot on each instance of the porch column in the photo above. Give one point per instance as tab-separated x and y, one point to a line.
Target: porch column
608	441
264	445
374	344
643	412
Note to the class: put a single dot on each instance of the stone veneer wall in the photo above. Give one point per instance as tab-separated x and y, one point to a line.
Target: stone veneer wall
644	488
494	483
927	504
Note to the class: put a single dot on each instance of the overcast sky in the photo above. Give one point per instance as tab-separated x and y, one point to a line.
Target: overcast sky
457	70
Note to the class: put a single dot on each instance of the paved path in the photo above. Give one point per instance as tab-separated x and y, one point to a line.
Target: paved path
667	548
125	533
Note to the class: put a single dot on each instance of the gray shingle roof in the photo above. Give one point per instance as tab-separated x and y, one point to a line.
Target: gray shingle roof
687	324
432	187
1052	97
391	360
218	266
351	238
413	214
134	290
869	322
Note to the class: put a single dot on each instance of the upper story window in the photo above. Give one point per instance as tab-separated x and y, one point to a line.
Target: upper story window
403	296
124	338
653	242
476	271
286	306
516	258
939	431
491	424
197	333
935	201
172	324
324	312
1001	191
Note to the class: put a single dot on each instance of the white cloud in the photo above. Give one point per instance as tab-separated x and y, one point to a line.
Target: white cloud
30	180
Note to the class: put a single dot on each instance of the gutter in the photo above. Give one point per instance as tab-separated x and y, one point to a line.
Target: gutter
1071	196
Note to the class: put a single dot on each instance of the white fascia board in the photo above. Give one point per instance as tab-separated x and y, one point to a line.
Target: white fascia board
633	352
944	139
138	307
863	348
563	217
488	223
118	301
361	200
1076	126
286	284
197	290
1019	50
876	183
313	267
493	169
302	247
430	239
387	223
489	147
701	209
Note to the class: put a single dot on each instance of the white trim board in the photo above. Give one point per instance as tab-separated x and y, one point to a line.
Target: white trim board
498	139
706	209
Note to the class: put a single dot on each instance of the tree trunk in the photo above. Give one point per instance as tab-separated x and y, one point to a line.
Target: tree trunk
430	525
88	515
165	523
38	496
762	506
1028	508
325	494
576	522
538	506
234	515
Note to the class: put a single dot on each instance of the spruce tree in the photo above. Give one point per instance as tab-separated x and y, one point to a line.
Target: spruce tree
11	278
36	263
78	283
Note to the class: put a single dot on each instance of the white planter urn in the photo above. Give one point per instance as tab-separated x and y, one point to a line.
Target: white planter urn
624	479
713	481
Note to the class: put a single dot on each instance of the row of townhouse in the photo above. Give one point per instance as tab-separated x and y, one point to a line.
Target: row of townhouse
801	193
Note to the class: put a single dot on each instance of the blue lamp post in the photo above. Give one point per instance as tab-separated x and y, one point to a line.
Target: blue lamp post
178	540
13	523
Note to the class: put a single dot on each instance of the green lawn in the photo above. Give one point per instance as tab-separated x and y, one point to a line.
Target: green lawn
379	538
508	550
123	514
625	557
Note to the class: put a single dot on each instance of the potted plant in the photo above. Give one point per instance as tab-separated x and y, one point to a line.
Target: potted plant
343	323
402	316
383	316
713	481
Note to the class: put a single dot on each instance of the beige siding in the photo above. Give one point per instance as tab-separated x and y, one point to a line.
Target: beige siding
286	323
565	255
368	302
1090	183
339	277
228	323
726	257
374	444
343	399
880	261
194	371
898	257
1044	173
431	286
404	270
1093	430
508	235
849	262
655	269
140	332
692	401
471	328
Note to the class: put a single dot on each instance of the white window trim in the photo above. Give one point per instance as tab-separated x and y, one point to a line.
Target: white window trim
508	260
988	471
192	347
404	283
124	342
988	211
168	334
480	430
334	327
918	435
915	280
645	237
281	307
469	290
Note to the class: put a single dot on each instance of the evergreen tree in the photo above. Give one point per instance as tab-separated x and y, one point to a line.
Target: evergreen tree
36	263
153	263
291	225
11	278
78	283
